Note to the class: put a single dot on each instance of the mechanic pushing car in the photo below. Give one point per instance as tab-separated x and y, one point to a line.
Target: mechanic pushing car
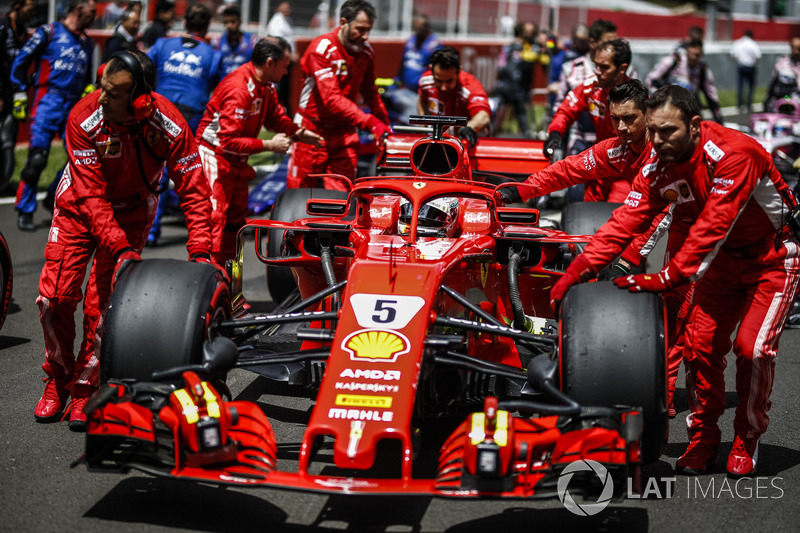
118	140
447	90
245	101
739	250
607	168
611	64
338	67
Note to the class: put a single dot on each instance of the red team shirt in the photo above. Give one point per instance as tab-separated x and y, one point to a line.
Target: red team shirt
103	174
607	169
333	81
465	100
588	97
233	118
732	200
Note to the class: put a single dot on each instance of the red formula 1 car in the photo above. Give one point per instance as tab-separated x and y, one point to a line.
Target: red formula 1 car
421	331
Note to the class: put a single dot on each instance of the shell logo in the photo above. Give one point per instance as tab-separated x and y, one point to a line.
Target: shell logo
375	345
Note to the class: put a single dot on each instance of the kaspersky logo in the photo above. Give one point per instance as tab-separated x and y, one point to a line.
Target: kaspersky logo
375	345
585	509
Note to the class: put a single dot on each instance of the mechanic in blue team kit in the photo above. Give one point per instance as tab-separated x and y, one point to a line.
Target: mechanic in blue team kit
417	54
118	140
187	68
234	46
741	252
13	34
243	103
61	52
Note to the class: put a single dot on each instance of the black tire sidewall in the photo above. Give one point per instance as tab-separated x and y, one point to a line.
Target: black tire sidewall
613	352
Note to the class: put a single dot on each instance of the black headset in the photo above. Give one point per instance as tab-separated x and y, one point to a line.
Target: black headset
141	101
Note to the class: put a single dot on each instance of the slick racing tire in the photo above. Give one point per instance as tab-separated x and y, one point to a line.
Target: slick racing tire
289	206
613	352
585	218
160	314
6	280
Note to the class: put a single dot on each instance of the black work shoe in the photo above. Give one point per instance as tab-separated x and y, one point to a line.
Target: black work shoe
25	222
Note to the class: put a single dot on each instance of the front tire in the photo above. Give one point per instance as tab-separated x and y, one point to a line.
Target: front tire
613	352
160	314
290	206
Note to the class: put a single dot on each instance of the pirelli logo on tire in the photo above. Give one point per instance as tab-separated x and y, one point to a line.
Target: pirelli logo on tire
359	400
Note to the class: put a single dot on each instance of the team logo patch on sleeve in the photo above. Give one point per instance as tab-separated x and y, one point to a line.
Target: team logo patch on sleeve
647	169
173	129
713	151
589	162
322	46
614	153
633	199
94	119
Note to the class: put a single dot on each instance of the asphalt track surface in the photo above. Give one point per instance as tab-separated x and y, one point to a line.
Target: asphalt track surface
40	492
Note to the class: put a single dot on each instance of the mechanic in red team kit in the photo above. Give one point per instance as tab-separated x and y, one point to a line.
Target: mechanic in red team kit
448	90
738	249
118	140
245	101
608	167
611	64
338	67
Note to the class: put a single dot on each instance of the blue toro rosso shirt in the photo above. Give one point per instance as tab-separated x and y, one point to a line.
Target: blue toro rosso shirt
416	60
186	68
62	60
232	58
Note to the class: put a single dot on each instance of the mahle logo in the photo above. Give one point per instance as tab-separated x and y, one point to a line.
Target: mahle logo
585	509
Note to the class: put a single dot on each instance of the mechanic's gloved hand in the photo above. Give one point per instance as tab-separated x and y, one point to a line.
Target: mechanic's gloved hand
20	108
510	195
469	135
377	127
89	89
554	147
617	270
203	257
579	270
658	282
125	257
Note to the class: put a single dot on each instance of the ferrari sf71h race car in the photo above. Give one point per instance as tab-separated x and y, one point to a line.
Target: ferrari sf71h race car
416	317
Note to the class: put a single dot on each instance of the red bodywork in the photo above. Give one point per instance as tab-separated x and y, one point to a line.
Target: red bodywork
379	379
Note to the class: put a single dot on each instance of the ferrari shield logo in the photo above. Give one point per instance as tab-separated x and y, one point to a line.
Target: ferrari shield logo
152	137
419	184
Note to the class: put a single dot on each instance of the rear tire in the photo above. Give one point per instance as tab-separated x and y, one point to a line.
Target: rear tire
290	206
160	315
613	352
585	218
